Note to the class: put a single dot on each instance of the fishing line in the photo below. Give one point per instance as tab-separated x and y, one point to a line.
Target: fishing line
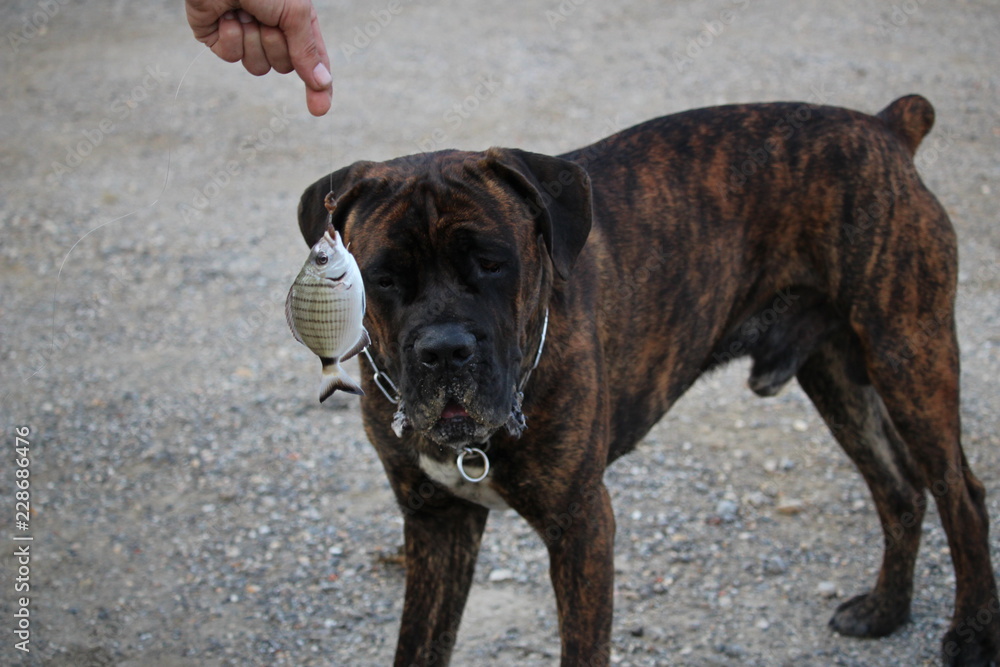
333	152
163	189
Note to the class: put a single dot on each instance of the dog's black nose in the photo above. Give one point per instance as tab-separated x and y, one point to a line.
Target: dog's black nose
445	347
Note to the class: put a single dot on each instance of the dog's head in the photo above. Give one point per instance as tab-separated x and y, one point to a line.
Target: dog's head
458	252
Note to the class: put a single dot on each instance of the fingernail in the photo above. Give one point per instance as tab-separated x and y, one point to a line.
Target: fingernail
322	75
244	17
228	16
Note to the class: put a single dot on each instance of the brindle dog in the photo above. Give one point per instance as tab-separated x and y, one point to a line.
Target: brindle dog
799	235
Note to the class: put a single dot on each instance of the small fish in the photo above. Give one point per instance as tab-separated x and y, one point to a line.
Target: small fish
324	309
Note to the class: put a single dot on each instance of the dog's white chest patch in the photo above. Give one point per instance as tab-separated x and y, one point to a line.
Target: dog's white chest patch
446	474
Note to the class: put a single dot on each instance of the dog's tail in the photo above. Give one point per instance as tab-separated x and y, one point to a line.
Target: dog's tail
910	118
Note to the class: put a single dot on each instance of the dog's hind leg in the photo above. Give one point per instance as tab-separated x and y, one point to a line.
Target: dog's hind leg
914	363
834	378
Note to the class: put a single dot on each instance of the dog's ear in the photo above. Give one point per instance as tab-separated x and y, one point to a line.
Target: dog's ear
557	195
338	189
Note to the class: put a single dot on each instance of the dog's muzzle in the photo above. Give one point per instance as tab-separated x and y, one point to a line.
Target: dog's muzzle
450	347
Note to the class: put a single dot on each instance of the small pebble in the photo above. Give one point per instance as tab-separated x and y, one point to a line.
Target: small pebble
727	510
790	506
827	589
501	575
775	565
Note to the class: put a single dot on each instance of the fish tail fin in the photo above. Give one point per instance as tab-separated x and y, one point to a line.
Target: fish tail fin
334	378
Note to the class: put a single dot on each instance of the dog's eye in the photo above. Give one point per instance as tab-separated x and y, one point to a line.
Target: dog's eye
385	282
490	266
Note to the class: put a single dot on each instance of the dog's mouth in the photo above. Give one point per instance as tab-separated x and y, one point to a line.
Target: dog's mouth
453	410
456	427
448	420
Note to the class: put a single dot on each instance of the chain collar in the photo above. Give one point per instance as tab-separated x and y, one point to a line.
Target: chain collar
382	381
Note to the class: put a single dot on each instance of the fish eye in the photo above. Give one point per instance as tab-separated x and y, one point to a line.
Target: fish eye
322	259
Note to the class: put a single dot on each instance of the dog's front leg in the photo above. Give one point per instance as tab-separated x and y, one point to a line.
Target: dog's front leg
580	539
441	549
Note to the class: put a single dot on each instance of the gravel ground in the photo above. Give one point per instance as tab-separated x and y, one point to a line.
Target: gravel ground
192	504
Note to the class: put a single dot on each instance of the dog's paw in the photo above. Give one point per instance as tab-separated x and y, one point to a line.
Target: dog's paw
963	647
869	615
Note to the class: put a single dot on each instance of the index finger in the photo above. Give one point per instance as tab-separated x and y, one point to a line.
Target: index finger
308	54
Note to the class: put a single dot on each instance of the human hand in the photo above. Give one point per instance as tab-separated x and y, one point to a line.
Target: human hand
282	35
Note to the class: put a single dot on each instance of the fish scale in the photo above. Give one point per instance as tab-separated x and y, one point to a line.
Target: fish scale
325	309
318	320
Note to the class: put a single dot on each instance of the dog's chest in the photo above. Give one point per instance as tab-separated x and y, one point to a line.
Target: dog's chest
446	474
